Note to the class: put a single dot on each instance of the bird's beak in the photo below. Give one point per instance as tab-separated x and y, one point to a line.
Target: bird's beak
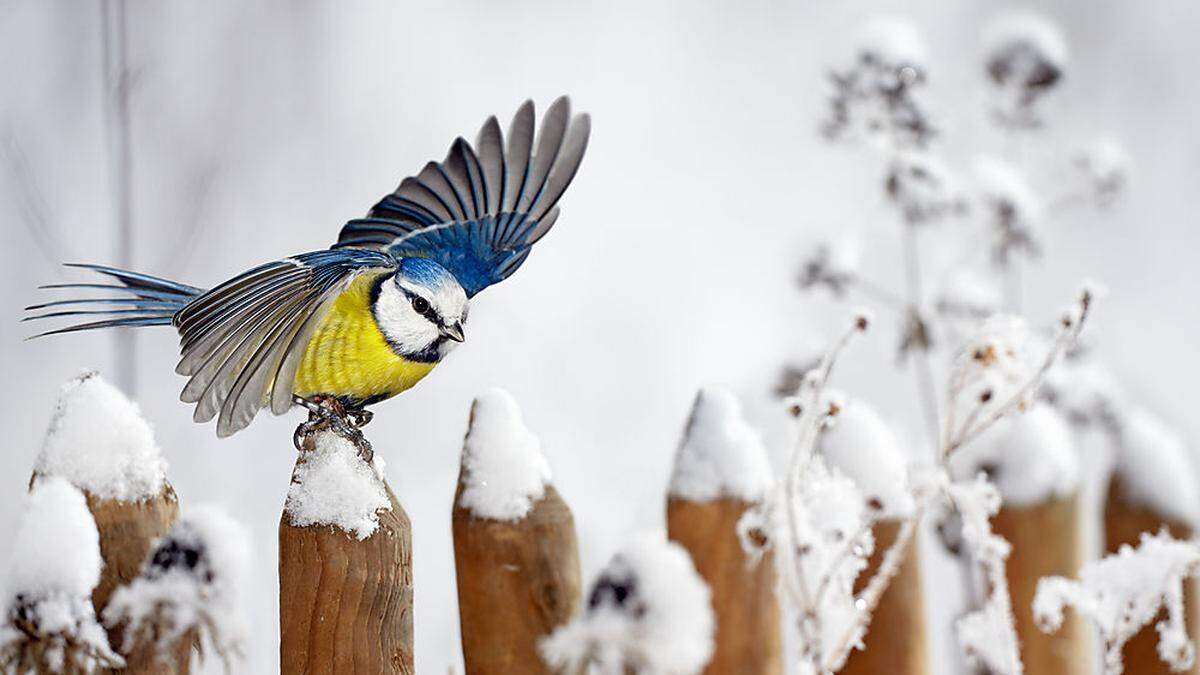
454	331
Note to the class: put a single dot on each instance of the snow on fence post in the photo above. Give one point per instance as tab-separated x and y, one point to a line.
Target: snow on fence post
49	624
1152	487
862	447
1033	463
100	443
721	470
345	566
515	550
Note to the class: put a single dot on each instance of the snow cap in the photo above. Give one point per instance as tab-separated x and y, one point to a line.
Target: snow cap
503	470
1027	31
649	608
1156	469
99	441
861	446
1030	457
892	40
334	486
57	548
720	454
55	565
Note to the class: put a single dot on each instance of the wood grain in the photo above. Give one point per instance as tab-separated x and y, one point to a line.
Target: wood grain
748	637
346	606
896	641
1047	539
1124	520
517	582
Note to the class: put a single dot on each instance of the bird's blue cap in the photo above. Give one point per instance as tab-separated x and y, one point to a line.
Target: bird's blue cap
426	272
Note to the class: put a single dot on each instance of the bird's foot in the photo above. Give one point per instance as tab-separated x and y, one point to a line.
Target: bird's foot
326	412
361	417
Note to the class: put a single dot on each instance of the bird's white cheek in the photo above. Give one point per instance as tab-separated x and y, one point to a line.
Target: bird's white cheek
402	326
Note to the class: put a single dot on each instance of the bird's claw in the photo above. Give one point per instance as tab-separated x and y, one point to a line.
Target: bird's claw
328	413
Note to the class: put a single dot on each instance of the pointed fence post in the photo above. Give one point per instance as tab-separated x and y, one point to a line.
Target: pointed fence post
721	470
515	552
862	447
1152	488
345	566
1032	461
100	443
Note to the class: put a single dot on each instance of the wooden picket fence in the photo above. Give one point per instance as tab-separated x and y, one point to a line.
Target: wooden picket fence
346	604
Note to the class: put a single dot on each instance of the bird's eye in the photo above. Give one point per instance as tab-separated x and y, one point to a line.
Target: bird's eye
420	305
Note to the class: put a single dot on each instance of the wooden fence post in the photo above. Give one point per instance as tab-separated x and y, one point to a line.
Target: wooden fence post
1031	459
515	552
100	443
861	446
1152	487
721	470
345	566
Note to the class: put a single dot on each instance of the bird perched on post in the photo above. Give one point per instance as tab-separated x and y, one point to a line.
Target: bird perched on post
340	329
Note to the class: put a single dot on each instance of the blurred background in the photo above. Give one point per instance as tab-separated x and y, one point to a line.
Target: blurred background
254	130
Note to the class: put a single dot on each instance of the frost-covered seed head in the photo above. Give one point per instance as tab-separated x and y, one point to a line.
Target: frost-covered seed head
1025	57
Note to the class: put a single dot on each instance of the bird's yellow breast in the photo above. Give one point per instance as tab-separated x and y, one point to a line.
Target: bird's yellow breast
349	356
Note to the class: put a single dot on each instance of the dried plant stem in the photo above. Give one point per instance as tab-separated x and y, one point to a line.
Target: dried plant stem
878	293
923	369
868	599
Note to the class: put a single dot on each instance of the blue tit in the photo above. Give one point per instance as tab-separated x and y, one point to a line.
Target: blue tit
371	316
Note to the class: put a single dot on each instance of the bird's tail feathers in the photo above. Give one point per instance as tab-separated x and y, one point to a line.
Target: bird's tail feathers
142	300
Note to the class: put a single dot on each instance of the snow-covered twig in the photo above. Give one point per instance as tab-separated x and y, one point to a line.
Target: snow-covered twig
1123	593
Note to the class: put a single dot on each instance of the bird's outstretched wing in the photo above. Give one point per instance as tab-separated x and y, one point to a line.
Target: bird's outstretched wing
242	341
479	211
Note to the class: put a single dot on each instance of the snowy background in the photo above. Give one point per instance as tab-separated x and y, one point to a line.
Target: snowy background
259	128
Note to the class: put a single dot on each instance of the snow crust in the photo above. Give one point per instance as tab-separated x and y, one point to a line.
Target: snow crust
334	486
1030	457
649	609
720	454
504	470
99	441
194	579
1156	468
861	446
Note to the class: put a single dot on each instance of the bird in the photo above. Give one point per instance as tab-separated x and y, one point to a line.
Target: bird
343	328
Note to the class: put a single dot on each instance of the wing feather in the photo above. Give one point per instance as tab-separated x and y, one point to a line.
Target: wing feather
491	202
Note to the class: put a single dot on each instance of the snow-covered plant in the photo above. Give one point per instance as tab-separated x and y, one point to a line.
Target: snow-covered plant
986	634
1125	592
49	625
1025	57
190	588
877	97
819	522
1106	167
922	188
648	613
1012	211
833	265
